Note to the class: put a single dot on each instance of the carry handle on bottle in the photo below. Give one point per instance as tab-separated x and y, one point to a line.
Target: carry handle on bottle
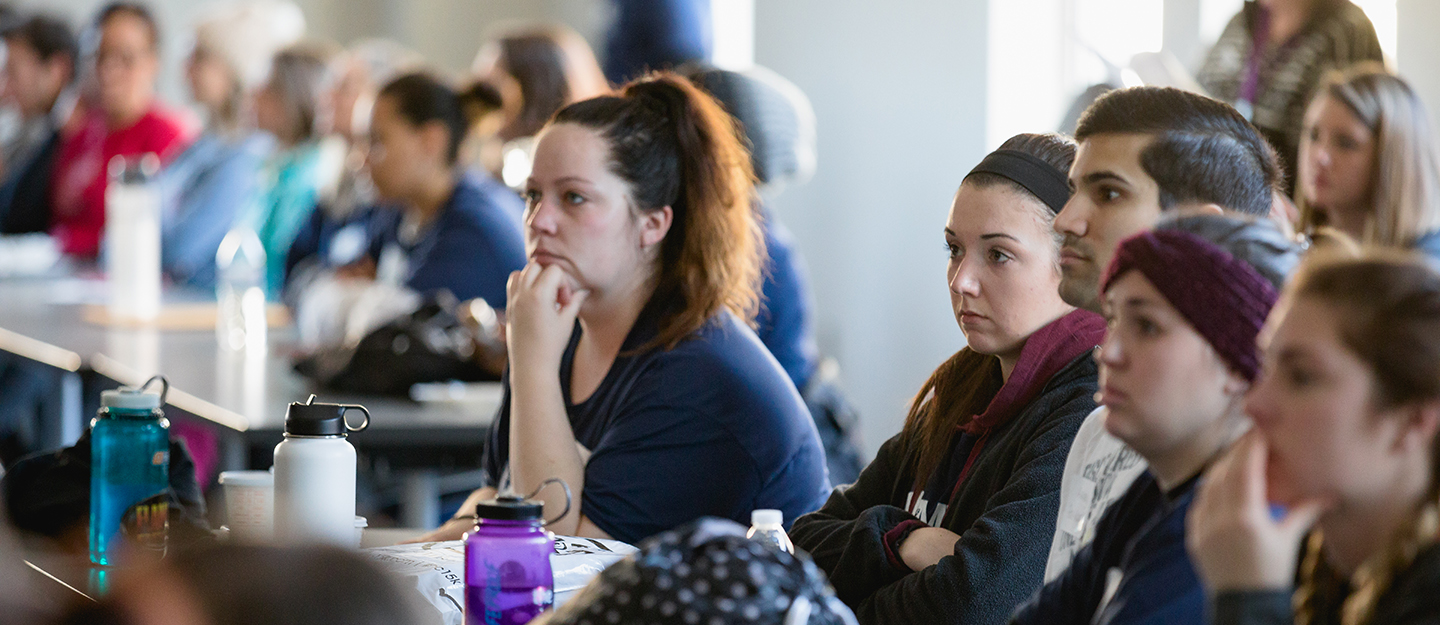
568	498
164	387
310	401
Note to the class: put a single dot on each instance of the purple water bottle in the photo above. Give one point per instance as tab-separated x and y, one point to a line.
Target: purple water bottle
508	579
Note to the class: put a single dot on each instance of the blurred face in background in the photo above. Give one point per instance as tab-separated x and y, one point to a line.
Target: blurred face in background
30	84
347	113
1114	198
1337	159
1003	267
126	66
402	155
211	81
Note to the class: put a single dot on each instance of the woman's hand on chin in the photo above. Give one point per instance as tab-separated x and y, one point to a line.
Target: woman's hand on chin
540	316
1233	539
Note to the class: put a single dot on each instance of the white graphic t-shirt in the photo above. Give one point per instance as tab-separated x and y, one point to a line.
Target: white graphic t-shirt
1098	471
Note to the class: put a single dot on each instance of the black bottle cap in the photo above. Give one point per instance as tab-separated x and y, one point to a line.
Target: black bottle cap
317	419
510	508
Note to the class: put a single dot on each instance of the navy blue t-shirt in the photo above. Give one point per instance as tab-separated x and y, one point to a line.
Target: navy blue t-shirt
712	427
473	245
785	322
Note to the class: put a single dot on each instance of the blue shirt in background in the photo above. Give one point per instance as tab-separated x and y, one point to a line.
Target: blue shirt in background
656	34
786	321
471	246
202	192
710	428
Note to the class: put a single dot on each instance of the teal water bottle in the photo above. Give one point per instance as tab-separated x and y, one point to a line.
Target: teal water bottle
129	476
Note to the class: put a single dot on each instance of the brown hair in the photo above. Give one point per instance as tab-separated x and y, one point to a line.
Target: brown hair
1388	306
554	67
1406	175
299	75
675	146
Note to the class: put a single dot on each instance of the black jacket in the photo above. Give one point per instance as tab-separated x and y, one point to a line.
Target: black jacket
1412	599
1004	512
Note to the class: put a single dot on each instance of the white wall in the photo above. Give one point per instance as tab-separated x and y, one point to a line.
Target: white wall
1418	50
899	94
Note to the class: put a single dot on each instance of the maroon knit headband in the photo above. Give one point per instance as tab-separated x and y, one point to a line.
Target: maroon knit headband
1223	297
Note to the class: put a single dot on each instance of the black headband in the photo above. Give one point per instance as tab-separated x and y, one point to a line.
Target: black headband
1038	177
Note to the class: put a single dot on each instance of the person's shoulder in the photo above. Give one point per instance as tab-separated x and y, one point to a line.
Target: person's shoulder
1414	592
480	202
724	353
169	124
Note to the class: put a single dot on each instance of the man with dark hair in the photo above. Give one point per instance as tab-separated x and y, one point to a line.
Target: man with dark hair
1147	150
39	66
1143	152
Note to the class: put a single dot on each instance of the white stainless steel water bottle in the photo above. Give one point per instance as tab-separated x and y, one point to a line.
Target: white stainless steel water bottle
315	475
132	238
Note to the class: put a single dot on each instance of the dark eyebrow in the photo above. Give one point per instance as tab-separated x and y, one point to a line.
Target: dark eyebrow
998	235
1102	176
950	232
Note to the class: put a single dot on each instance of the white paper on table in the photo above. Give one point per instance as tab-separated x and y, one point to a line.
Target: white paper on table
437	570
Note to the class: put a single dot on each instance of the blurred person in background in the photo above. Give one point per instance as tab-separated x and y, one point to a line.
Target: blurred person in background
949	523
1272	56
41	55
205	188
1328	511
1369	164
126	120
656	35
779	127
288	108
536	71
336	233
232	584
633	376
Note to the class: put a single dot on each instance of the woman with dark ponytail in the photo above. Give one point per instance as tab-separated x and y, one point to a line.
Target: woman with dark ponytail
1344	450
457	229
951	522
644	265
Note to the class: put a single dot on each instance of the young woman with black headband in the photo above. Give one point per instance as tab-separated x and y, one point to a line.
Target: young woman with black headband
952	520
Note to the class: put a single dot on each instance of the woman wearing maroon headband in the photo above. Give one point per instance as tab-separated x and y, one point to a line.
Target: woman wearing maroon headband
952	521
1185	303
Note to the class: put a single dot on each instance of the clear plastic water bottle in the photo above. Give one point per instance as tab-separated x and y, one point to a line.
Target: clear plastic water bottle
768	527
240	291
129	476
508	578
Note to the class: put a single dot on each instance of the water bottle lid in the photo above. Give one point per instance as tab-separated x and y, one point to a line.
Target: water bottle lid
767	517
510	508
316	419
135	398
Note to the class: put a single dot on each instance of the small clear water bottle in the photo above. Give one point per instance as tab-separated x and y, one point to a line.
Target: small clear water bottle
240	291
129	476
768	527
